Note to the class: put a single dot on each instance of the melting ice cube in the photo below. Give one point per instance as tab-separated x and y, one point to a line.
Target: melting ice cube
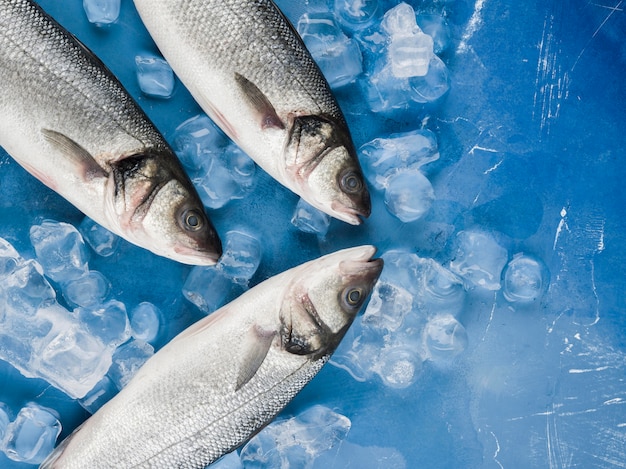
127	360
309	219
32	435
479	259
445	338
525	279
107	321
409	195
194	138
88	290
298	441
155	76
102	12
356	14
410	50
383	157
145	321
209	288
241	257
337	55
102	241
60	250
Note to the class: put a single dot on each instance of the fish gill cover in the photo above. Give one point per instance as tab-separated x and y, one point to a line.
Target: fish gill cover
491	136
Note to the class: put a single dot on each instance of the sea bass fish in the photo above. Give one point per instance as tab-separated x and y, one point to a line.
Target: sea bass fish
249	70
69	122
224	378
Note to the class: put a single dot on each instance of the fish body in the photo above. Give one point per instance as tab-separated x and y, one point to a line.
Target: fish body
69	122
249	70
222	379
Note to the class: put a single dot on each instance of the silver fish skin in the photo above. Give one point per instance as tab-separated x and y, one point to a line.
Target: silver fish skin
221	380
249	70
70	123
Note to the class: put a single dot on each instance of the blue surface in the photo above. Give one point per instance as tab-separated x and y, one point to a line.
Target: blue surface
532	144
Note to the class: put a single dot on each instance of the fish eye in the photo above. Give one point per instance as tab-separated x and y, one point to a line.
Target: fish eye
351	182
193	220
353	296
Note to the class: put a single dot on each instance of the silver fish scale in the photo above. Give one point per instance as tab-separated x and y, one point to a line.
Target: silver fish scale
254	30
47	70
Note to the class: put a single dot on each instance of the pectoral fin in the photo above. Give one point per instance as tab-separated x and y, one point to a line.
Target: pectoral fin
267	114
88	166
258	345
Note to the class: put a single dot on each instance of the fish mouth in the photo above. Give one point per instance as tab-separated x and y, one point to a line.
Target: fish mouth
359	261
192	256
349	214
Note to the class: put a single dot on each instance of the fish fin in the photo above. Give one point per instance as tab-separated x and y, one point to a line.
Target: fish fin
269	117
89	166
254	356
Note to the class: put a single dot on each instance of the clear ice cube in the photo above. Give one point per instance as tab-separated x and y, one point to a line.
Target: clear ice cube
354	15
409	195
32	435
525	279
89	290
102	12
145	321
398	366
445	338
309	219
99	395
155	76
209	288
479	259
297	441
107	321
127	360
194	138
60	250
383	157
387	307
102	241
337	55
242	256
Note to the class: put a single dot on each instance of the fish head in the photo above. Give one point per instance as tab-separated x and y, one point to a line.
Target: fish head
321	154
325	299
176	226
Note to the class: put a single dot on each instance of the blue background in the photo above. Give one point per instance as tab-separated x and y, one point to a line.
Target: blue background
532	142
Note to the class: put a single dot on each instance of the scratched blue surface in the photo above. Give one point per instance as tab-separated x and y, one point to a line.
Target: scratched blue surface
532	142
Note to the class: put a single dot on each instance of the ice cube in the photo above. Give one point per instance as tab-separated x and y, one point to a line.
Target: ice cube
410	50
355	15
338	56
127	360
106	321
383	157
296	442
242	256
388	306
309	219
9	258
32	435
102	241
438	289
241	168
194	139
60	250
99	395
409	195
102	12
69	357
145	321
209	288
89	290
525	279
433	85
27	290
398	366
479	259
444	338
155	76
359	351
436	27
